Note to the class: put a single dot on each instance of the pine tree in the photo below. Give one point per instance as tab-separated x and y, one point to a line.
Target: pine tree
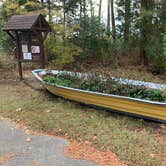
99	13
146	28
113	20
127	18
108	16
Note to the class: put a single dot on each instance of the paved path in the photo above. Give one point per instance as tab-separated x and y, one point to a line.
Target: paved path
40	151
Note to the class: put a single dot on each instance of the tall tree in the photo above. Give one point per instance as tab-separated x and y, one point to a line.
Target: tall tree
127	18
49	11
99	14
64	19
108	17
80	12
91	8
146	28
113	20
84	13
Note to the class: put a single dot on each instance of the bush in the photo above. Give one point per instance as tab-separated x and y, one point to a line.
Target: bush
60	50
157	52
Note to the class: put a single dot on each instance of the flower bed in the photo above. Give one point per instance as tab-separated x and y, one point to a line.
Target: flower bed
106	84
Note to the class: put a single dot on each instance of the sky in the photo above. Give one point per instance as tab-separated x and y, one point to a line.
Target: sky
104	8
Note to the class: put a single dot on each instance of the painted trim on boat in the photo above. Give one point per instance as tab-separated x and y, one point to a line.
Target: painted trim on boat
120	80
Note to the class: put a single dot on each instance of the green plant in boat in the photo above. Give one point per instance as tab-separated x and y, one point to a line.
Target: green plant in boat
106	84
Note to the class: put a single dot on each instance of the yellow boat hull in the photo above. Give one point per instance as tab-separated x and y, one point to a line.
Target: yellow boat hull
146	109
137	107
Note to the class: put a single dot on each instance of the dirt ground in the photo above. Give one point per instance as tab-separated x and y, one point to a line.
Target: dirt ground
80	153
133	141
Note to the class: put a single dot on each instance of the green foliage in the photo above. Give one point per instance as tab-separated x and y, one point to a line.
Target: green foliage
105	85
65	54
59	81
157	51
5	41
60	49
153	95
164	44
80	35
92	39
32	6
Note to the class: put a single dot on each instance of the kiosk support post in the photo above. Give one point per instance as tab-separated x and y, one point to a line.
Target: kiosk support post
19	56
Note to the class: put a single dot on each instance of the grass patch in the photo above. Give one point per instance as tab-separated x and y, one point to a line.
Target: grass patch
133	140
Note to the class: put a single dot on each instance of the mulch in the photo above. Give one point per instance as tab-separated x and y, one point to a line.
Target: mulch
84	150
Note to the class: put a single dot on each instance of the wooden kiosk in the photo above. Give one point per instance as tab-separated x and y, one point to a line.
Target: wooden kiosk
28	32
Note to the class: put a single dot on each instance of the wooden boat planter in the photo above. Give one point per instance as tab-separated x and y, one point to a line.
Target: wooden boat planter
136	107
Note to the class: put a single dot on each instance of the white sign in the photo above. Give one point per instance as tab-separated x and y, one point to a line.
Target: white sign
24	48
27	56
35	49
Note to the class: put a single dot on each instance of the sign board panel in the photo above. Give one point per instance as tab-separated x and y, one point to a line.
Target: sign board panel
27	56
24	48
35	49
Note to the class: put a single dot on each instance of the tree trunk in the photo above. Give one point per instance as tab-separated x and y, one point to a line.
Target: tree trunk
127	20
143	35
91	8
99	15
84	14
113	20
80	13
146	29
108	16
49	11
64	21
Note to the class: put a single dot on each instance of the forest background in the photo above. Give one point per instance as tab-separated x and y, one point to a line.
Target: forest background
129	32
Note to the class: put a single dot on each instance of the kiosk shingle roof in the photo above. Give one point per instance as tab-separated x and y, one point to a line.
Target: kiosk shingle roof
22	22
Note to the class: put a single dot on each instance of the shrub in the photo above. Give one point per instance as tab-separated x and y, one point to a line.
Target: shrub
60	50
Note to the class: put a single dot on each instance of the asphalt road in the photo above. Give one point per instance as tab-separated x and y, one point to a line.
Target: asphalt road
41	150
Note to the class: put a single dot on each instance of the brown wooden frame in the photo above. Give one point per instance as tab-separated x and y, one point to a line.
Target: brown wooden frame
39	26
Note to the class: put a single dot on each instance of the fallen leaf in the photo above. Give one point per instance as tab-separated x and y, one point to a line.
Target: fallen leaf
36	163
48	111
19	109
94	138
27	131
163	126
7	157
87	142
68	114
86	151
66	135
28	139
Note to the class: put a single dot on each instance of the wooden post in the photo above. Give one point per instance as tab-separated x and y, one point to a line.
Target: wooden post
41	45
42	50
19	55
42	54
20	70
